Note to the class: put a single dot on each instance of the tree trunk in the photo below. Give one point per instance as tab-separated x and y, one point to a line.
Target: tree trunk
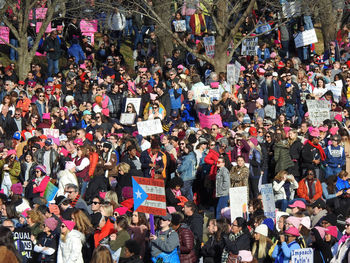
24	59
221	58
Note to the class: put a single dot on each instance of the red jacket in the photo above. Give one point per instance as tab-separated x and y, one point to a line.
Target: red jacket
303	190
186	237
42	186
212	159
104	232
93	157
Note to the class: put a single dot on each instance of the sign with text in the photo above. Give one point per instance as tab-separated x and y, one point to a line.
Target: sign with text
336	88
318	111
40	13
179	25
4	34
134	101
51	132
249	46
209	45
237	71
268	200
127	118
90	37
88	26
230	69
238	202
150	127
23	236
305	38
304	255
206	121
38	26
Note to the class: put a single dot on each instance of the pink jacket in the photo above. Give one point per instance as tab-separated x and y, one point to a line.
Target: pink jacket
42	186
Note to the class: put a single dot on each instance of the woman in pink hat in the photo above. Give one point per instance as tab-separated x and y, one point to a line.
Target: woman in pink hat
41	180
287	243
11	168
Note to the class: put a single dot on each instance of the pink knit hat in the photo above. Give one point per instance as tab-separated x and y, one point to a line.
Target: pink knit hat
51	223
292	231
333	130
333	231
17	189
246	256
42	168
321	231
24	213
294	221
79	142
46	116
121	210
10	152
69	224
338	117
69	165
315	133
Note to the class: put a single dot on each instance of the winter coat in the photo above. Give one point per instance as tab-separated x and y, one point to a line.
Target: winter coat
303	190
283	253
70	250
145	160
65	177
39	154
77	52
222	182
342	254
212	157
195	222
122	237
166	242
97	184
186	237
295	154
13	172
322	250
244	152
42	186
23	171
335	156
212	250
255	160
50	43
106	230
308	154
280	193
282	156
187	168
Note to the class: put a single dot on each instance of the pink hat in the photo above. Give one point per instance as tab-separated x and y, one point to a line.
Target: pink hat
246	255
69	224
42	168
242	68
323	128
260	101
51	223
102	194
254	141
214	85
11	152
24	213
306	222
261	71
121	210
333	231
273	55
299	204
333	130
64	152
143	69
46	116
347	221
64	109
338	117
321	231
79	142
294	221
17	189
315	133
70	165
286	129
307	114
292	231
180	67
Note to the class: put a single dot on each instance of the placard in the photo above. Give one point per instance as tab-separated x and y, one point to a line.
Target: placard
318	111
237	71
304	255
127	118
336	88
134	101
23	236
90	37
4	34
268	200
206	121
249	47
88	26
38	26
40	13
305	38
238	202
50	192
230	72
150	127
209	45
51	132
179	25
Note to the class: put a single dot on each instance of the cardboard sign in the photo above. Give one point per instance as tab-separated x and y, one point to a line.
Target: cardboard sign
179	25
150	127
4	34
209	45
237	71
238	202
38	26
249	47
206	121
304	255
55	133
336	88
268	200
40	13
305	38
127	118
134	101
90	37
88	26
318	111
23	235
230	71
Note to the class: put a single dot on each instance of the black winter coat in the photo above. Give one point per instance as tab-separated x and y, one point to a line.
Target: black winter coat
212	250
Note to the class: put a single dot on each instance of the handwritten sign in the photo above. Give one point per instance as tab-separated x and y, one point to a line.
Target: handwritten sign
304	255
209	45
4	34
127	118
88	26
38	26
230	69
249	46
134	101
238	202
40	13
237	71
336	88
179	25
318	111
150	127
206	121
55	133
268	200
305	38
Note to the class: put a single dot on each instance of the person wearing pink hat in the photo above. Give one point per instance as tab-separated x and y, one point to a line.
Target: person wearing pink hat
335	160
46	243
41	180
283	251
70	244
322	251
11	169
331	238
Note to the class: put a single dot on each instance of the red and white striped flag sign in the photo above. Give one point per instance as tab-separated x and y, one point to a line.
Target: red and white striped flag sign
149	195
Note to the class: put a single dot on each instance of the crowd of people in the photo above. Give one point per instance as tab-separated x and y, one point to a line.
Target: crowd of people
65	127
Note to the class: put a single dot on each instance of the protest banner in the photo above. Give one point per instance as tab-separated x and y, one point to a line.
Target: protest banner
268	200
209	45
237	71
134	101
336	88
179	25
206	121
304	255
38	26
50	191
249	46
318	111
23	235
150	127
51	132
238	202
88	26
230	71
40	13
4	34
127	118
305	38
90	37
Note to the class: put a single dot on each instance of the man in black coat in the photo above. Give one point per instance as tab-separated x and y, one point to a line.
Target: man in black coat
195	221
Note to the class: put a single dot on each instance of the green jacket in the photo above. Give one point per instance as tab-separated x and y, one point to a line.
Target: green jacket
282	156
122	237
14	171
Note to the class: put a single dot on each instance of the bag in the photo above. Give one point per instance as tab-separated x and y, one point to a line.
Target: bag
172	257
233	258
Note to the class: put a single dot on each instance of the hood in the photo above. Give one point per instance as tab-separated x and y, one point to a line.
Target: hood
76	234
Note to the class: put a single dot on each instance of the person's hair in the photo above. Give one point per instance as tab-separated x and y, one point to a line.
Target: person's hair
263	241
101	254
112	197
175	181
11	211
72	186
342	174
176	219
124	167
241	222
192	205
82	222
222	227
6	240
280	175
108	209
85	151
133	247
35	216
122	221
331	181
309	170
142	219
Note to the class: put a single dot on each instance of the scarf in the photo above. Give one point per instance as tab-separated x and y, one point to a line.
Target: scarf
197	24
343	239
74	202
319	148
232	237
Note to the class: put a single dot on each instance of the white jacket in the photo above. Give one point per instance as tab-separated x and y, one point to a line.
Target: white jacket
65	177
116	21
279	191
70	251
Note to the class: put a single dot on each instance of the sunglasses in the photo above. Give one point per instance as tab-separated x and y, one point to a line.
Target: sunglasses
96	203
69	192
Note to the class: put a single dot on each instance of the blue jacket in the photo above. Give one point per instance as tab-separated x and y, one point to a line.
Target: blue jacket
175	102
342	184
264	92
77	52
283	253
266	54
187	168
335	156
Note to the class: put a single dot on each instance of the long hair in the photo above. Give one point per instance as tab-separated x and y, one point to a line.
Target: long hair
82	222
101	255
6	240
263	241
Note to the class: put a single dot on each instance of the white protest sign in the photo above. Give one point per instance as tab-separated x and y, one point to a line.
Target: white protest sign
230	72
336	88
238	202
249	46
150	127
318	111
304	255
305	38
127	118
209	45
55	133
268	200
179	25
237	71
135	101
